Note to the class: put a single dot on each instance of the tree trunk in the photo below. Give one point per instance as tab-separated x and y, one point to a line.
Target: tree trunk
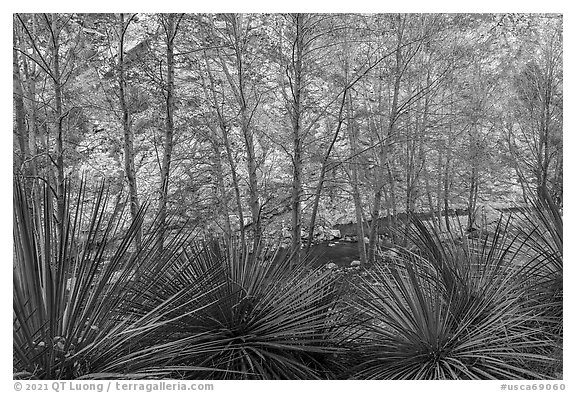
236	185
322	177
253	185
29	69
422	157
430	200
296	87
474	176
58	118
229	155
129	167
240	91
19	111
393	219
439	189
472	197
221	187
383	150
374	225
446	193
169	23
353	137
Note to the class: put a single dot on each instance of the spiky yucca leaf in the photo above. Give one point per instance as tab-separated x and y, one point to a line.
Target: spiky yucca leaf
267	320
456	312
540	227
77	306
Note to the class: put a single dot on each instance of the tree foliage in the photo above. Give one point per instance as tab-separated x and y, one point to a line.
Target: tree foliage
265	130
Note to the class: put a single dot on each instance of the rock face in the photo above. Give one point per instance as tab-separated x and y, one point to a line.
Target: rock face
355	263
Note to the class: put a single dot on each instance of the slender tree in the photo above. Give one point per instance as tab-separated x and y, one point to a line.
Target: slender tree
129	167
170	23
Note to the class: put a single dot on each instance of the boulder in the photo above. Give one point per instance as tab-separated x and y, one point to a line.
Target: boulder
351	238
335	234
331	265
355	263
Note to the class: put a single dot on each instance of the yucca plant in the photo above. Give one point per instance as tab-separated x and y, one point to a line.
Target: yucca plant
78	284
450	311
267	319
540	229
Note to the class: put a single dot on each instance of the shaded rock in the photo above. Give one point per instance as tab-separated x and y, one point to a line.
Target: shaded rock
351	238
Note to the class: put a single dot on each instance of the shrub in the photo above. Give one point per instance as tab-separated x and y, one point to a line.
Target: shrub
540	233
449	312
267	319
78	310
